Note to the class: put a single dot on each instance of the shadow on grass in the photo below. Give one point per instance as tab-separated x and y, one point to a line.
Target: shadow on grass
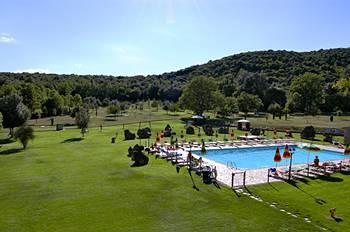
72	140
11	151
337	219
216	184
346	173
193	183
330	178
317	200
273	187
110	119
6	141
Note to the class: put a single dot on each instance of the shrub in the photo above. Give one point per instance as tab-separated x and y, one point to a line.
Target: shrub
255	131
24	134
144	133
223	130
190	130
128	135
308	133
136	154
208	130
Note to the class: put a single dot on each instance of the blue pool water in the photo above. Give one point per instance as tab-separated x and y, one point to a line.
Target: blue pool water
262	157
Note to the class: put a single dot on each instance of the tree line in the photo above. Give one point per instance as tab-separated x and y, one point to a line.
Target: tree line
310	82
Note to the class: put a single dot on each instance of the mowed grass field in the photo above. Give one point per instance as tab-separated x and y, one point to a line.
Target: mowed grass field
62	183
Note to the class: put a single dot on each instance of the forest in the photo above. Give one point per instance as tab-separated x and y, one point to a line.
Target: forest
268	75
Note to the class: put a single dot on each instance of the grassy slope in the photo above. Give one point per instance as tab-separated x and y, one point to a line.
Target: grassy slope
88	186
313	199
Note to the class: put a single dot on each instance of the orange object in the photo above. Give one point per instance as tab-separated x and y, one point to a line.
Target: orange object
277	157
286	153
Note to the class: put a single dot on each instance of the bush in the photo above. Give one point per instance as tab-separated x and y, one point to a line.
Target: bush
128	135
208	130
308	133
223	130
138	156
113	109
167	131
24	134
144	133
255	131
190	130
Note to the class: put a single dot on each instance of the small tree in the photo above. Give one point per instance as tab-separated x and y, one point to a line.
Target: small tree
155	104
24	134
14	112
173	107
113	109
82	118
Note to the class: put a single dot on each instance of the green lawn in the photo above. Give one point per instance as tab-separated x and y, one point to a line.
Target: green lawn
312	198
62	184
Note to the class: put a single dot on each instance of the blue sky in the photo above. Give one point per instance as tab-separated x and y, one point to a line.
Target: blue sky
128	37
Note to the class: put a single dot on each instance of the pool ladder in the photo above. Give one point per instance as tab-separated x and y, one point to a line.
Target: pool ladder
231	164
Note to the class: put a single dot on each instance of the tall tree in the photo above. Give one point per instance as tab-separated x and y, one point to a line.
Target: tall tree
274	109
32	96
248	103
274	95
306	92
252	83
199	95
54	103
230	106
14	112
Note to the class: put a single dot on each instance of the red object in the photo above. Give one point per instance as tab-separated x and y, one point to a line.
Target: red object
162	134
286	153
277	157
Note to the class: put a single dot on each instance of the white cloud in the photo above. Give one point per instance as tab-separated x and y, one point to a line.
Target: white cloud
33	70
6	38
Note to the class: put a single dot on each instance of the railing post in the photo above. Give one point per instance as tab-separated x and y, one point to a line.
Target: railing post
244	175
268	176
232	180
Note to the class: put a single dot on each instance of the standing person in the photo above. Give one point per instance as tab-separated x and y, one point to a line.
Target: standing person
317	161
215	172
189	159
200	160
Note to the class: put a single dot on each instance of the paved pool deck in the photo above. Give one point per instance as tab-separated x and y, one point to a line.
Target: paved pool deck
253	176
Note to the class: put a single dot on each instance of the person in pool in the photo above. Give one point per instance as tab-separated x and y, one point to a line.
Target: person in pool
316	162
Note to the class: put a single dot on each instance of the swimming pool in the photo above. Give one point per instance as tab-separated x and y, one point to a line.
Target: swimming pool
262	157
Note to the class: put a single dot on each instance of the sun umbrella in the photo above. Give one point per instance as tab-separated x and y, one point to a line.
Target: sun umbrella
286	153
275	134
277	157
309	148
232	135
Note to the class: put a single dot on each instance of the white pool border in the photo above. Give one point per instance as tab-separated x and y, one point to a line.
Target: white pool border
253	176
